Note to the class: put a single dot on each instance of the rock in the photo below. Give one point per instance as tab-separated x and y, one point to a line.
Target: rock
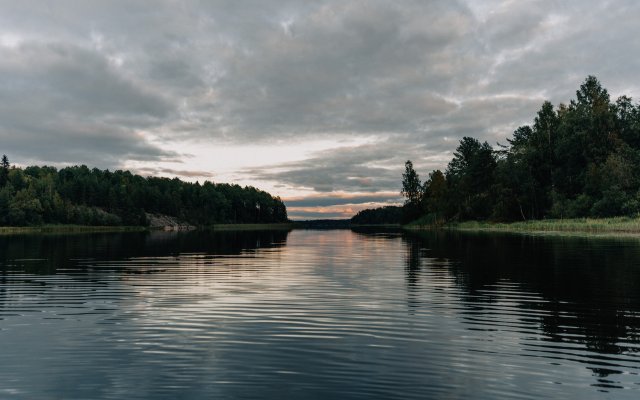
167	223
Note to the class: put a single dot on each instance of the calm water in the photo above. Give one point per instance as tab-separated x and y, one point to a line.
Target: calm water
318	314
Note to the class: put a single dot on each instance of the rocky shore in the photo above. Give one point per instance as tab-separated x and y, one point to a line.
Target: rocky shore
167	223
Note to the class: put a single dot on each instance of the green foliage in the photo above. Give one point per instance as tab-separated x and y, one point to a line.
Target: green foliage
82	196
411	184
435	196
378	216
470	178
577	160
4	170
412	190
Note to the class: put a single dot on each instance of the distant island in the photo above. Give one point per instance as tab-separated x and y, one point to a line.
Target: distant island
78	195
578	160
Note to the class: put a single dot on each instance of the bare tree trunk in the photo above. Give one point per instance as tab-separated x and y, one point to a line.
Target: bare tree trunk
521	212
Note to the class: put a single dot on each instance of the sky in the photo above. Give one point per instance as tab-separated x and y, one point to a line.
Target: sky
319	102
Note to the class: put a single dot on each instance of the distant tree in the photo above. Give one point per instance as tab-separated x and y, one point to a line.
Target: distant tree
376	216
628	121
412	190
434	199
411	186
4	170
531	160
470	176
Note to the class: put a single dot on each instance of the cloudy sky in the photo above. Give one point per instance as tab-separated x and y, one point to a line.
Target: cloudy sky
320	102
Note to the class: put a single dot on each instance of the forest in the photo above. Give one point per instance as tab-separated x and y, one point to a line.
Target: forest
378	216
79	195
580	159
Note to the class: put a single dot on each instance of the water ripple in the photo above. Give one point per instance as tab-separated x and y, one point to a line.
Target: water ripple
317	314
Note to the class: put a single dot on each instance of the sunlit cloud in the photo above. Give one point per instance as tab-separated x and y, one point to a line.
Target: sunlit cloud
330	212
338	204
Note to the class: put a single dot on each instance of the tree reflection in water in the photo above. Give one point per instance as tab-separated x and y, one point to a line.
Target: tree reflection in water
587	289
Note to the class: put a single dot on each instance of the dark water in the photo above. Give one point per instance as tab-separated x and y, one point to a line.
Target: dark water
318	315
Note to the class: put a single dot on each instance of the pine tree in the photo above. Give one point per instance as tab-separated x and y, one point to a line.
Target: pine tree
411	186
4	170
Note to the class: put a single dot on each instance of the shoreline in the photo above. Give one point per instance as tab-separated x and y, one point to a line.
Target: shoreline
615	226
15	230
249	227
64	229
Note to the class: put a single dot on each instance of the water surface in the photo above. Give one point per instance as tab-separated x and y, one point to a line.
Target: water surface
318	314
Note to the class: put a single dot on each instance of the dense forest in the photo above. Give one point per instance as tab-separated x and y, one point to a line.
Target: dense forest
378	216
79	195
580	159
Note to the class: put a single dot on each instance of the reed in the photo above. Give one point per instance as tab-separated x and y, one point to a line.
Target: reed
622	225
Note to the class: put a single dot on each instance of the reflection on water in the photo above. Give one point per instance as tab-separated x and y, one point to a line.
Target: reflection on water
581	295
318	314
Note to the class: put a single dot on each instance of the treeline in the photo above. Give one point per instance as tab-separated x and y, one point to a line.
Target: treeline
378	216
323	224
79	195
580	159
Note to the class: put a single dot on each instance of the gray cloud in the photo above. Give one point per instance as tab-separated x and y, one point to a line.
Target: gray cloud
345	169
306	215
357	67
365	168
63	103
148	171
336	200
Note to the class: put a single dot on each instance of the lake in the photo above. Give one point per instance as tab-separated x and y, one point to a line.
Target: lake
318	314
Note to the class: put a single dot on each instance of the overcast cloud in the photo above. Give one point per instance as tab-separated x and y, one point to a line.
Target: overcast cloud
120	83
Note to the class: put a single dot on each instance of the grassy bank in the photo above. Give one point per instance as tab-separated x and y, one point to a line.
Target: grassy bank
599	226
13	230
64	229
